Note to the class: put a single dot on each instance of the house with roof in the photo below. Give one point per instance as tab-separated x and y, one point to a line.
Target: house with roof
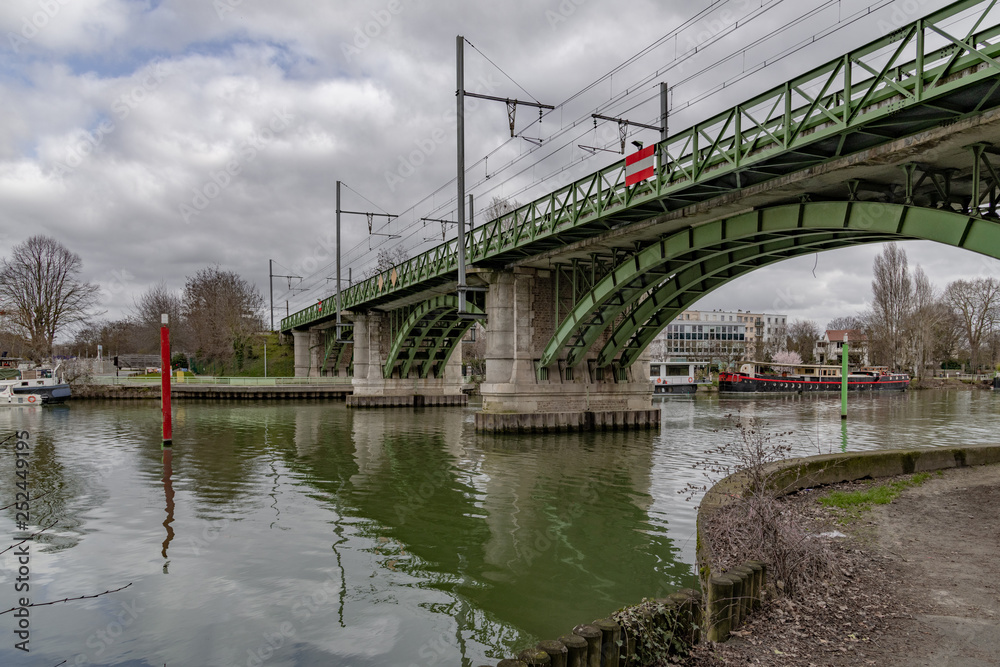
830	347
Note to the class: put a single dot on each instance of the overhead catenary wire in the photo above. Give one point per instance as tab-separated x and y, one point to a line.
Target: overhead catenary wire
501	71
861	14
673	33
561	131
502	183
364	197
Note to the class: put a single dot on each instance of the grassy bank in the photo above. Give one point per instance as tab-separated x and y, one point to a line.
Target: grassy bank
280	361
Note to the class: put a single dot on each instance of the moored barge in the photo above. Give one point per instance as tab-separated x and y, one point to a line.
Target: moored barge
758	377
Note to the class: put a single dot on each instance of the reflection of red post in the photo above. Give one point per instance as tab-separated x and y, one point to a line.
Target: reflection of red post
168	491
165	379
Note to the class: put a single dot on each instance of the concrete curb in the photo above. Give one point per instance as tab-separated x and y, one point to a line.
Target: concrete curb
796	474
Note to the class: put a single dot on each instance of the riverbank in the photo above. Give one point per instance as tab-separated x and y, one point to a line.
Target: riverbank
948	383
210	391
913	582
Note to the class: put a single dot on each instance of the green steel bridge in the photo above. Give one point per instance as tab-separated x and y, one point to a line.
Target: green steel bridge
891	141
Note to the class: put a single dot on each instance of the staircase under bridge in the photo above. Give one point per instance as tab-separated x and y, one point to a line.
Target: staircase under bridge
893	141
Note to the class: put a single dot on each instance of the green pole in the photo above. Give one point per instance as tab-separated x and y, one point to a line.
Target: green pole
843	379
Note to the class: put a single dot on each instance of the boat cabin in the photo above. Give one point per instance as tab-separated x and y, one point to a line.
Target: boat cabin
670	377
813	372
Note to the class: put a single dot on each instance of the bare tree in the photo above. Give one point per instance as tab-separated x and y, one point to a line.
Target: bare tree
12	344
993	346
778	340
658	348
41	291
146	314
115	336
892	303
802	337
386	259
977	304
926	319
948	335
222	312
847	323
500	206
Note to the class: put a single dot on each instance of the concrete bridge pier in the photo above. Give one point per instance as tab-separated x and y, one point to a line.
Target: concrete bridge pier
519	396
308	352
300	342
372	341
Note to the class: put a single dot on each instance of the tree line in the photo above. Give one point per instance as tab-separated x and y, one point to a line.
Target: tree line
215	318
913	325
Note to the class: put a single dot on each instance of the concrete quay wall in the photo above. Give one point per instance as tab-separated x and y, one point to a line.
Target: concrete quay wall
800	473
193	391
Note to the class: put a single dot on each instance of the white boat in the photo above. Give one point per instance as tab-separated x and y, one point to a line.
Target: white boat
9	399
678	377
38	386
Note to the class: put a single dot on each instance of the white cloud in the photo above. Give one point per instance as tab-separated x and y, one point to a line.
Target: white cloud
119	113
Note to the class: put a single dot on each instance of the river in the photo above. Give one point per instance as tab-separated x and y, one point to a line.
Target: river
304	533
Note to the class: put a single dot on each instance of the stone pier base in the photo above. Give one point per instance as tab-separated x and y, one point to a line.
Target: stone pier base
406	401
557	422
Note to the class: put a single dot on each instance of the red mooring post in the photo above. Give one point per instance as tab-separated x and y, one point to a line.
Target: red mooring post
165	379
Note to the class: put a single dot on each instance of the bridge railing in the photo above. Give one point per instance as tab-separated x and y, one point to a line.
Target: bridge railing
933	56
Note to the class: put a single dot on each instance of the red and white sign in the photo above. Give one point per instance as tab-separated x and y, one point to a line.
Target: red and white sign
640	165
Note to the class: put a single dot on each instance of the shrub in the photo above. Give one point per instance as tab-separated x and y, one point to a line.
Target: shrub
756	524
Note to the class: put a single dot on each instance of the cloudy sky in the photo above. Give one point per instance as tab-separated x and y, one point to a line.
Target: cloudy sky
156	137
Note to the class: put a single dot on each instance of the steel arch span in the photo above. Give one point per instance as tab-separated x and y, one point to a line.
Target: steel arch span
637	299
428	337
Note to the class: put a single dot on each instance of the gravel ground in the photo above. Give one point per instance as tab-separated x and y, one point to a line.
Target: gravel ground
913	583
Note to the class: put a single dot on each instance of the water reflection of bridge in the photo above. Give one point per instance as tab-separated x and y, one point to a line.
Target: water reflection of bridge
530	527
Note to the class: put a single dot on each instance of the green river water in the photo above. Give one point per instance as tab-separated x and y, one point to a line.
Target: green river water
303	533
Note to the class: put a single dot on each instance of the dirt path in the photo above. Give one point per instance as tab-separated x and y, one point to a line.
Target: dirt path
917	583
942	540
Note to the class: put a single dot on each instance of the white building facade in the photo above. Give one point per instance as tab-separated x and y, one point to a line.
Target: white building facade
719	336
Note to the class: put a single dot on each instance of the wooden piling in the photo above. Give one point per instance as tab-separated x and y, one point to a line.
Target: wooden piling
746	575
736	603
720	593
534	657
760	582
576	650
593	637
558	653
611	634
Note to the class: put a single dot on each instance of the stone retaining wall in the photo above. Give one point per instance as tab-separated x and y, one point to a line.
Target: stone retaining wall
563	422
191	391
613	641
407	401
605	643
797	474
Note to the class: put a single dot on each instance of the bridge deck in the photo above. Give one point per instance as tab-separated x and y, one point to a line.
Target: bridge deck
924	76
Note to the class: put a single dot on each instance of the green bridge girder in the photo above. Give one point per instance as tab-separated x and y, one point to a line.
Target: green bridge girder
654	313
921	76
336	348
435	322
706	257
692	275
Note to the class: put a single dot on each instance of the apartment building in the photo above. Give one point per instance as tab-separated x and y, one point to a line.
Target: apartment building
705	335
